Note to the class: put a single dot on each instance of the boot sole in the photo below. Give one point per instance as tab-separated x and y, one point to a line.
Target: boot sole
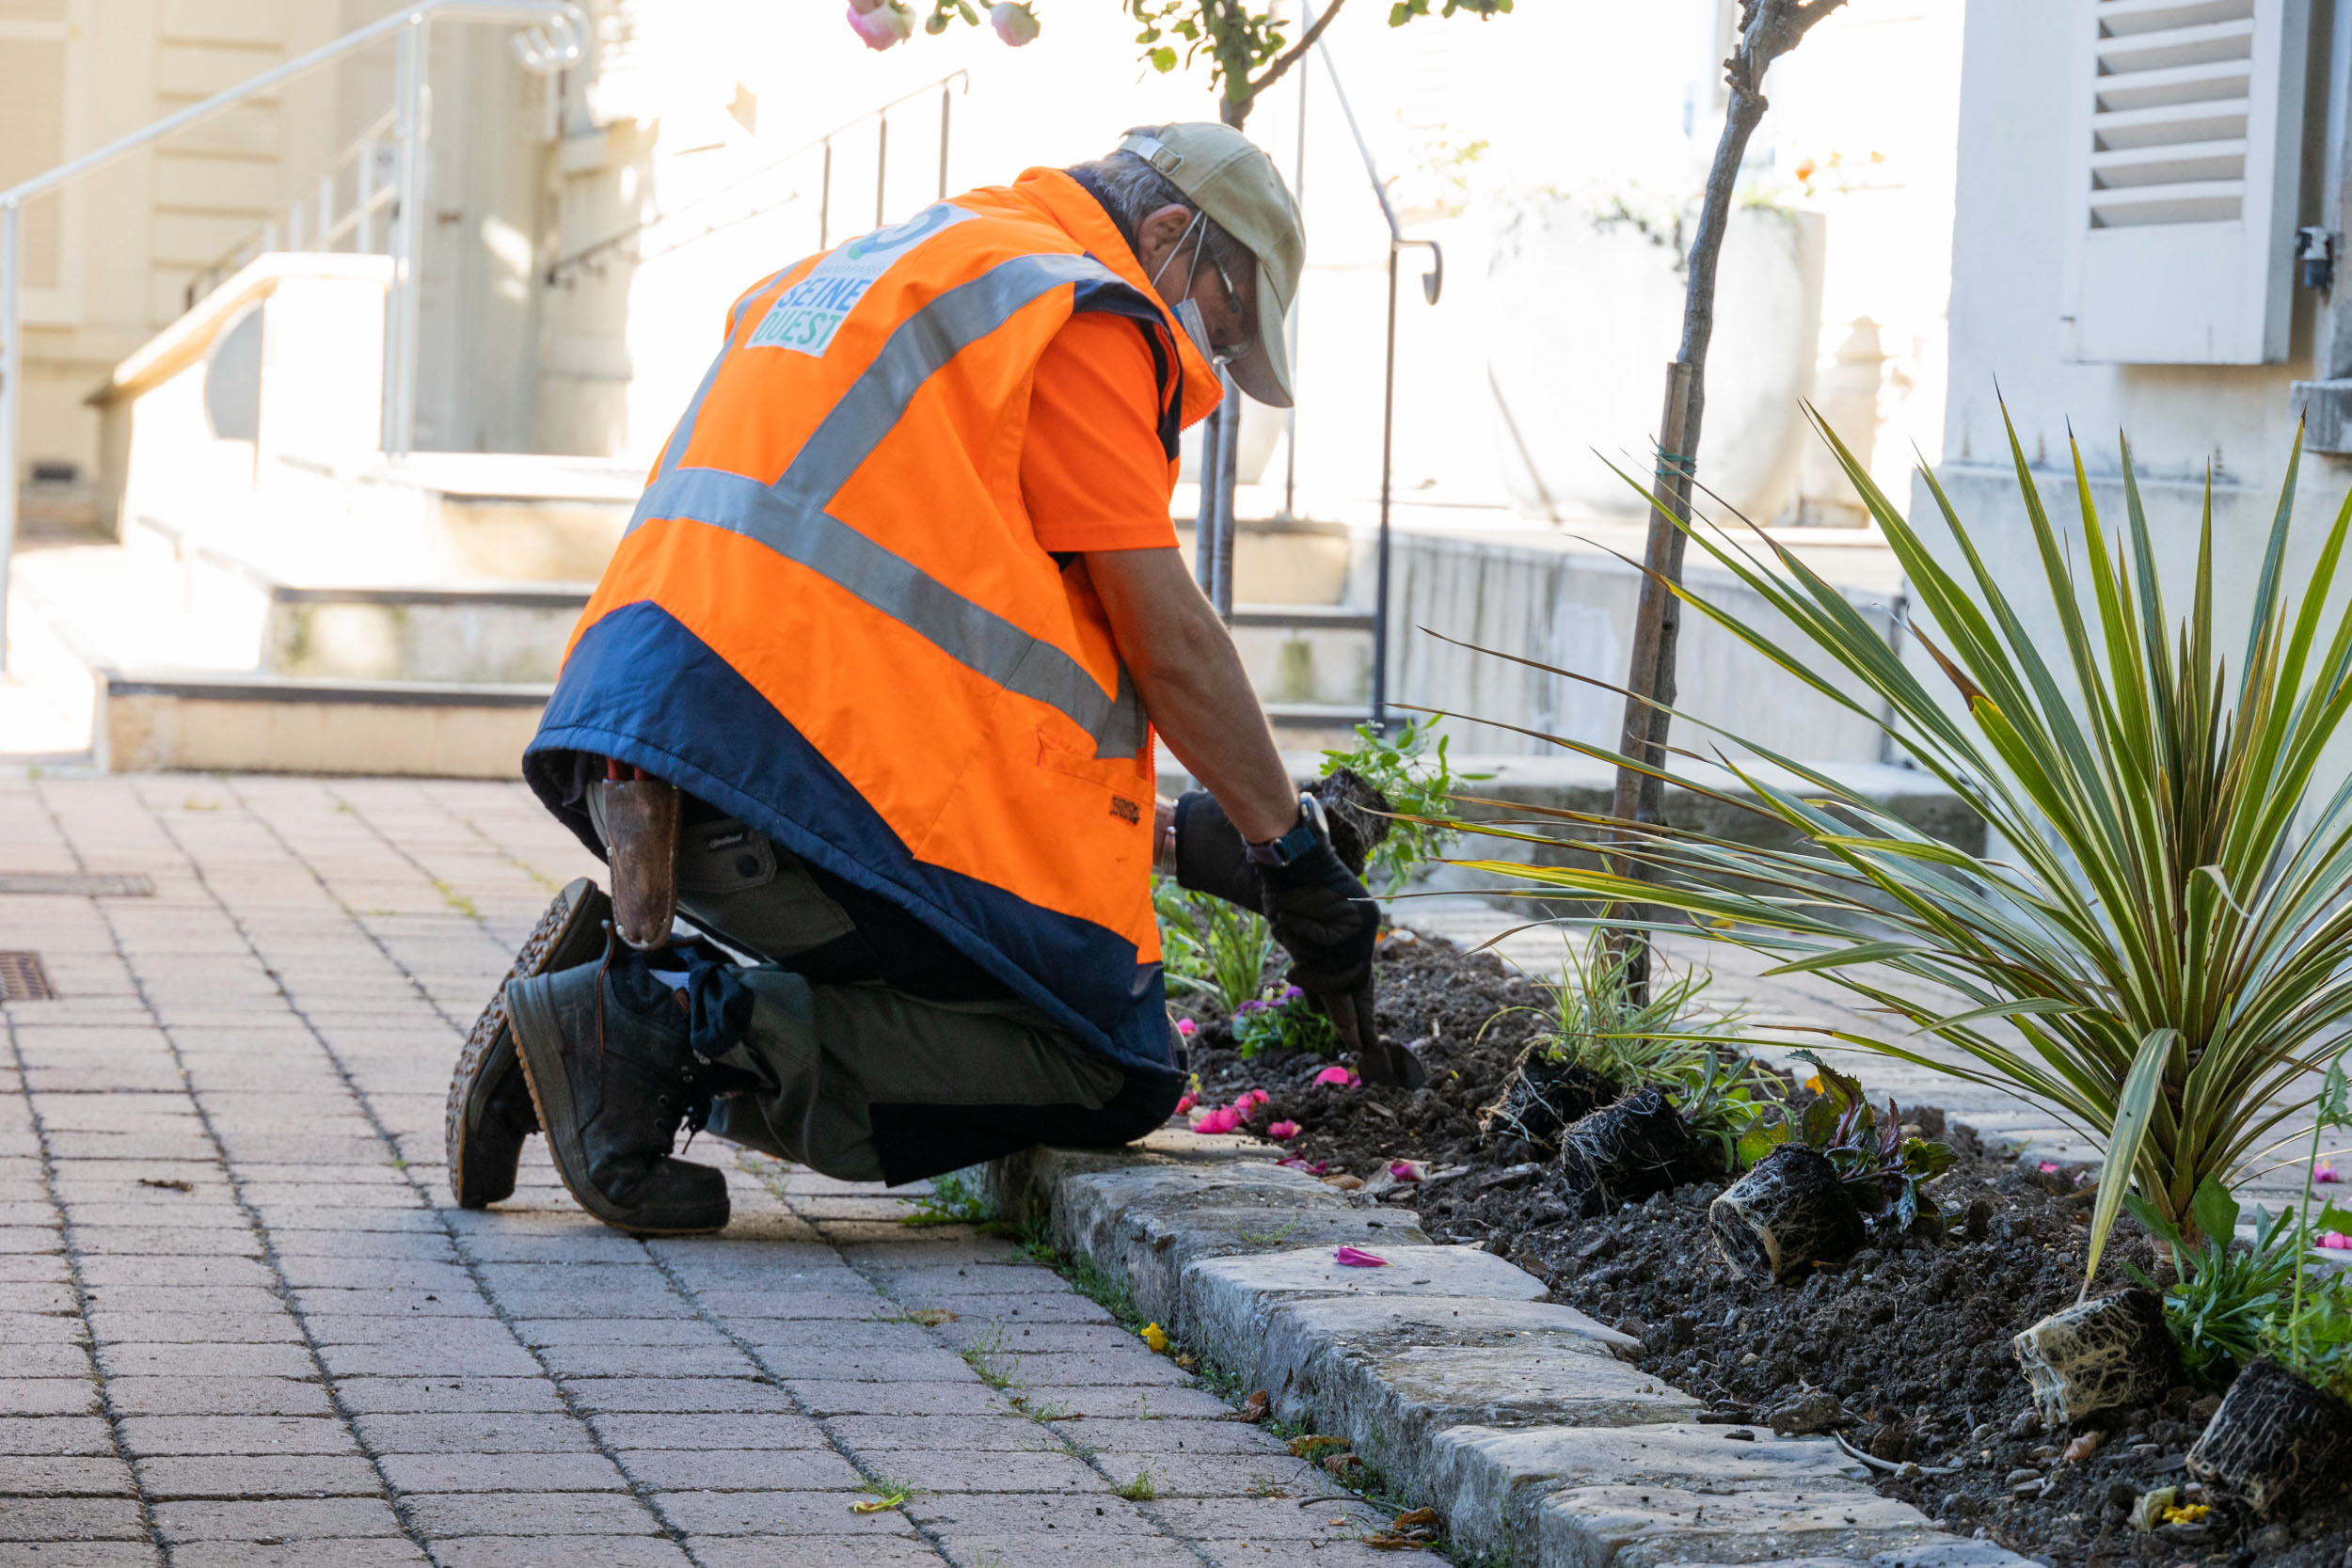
539	1046
570	932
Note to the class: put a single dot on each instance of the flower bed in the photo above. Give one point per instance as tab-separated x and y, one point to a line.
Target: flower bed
1903	1350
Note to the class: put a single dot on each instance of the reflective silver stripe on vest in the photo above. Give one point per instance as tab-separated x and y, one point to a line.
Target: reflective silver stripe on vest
789	517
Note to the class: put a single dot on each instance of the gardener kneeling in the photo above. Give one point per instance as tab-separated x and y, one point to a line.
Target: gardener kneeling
870	689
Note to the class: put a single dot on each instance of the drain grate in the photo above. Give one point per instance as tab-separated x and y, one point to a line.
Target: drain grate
24	979
75	885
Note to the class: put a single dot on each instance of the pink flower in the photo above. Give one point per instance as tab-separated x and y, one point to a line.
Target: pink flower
1250	1097
2335	1240
1224	1119
1282	1131
1014	22
1404	1170
1184	1105
1187	1027
2324	1172
2049	1168
1355	1257
882	23
1338	1075
1295	1162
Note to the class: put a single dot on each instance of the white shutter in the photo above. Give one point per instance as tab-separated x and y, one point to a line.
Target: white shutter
2186	147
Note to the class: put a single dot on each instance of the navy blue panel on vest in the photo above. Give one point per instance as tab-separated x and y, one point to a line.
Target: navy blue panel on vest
641	688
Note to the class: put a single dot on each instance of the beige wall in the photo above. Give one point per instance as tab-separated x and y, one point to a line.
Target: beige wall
112	257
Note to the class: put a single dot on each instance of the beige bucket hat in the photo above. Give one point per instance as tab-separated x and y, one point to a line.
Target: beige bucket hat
1228	177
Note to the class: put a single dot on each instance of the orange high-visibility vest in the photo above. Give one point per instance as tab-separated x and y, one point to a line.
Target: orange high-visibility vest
830	617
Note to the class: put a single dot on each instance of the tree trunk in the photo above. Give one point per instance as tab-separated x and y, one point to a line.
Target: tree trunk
1769	28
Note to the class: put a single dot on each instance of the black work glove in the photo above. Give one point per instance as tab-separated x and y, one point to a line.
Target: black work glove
1210	855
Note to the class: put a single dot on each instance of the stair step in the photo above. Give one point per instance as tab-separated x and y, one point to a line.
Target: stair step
1303	617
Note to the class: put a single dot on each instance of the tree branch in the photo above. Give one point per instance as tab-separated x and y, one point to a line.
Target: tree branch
1298	52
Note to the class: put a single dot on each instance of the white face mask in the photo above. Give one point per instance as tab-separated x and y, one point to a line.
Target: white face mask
1188	314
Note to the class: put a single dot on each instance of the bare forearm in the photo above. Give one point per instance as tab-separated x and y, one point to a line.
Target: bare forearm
1191	681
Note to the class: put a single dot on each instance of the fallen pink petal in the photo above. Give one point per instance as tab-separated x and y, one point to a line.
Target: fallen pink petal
1357	1258
1187	1027
1184	1105
2323	1172
1338	1075
1223	1119
1404	1170
1250	1097
1283	1131
2335	1240
2049	1168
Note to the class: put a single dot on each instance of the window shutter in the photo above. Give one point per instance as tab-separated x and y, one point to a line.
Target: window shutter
2186	147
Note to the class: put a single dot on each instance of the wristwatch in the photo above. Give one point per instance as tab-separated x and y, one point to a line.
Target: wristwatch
1311	829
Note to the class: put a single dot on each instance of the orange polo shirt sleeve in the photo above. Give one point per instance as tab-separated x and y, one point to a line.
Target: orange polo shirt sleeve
1093	473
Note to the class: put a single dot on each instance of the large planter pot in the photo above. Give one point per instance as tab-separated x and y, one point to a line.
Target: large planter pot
2275	1444
1589	310
2101	1354
1785	1215
1625	1153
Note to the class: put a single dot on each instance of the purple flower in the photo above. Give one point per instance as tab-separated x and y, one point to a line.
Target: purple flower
1292	994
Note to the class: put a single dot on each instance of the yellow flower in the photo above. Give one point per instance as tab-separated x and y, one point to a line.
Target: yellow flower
1156	1336
1814	1083
2185	1514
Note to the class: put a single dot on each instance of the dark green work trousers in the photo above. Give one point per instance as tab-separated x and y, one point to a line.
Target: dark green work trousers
868	1080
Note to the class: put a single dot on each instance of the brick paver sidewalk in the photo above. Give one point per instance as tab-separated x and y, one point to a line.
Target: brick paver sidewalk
243	1324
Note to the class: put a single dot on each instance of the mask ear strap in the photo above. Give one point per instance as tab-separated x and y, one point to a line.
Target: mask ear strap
1198	218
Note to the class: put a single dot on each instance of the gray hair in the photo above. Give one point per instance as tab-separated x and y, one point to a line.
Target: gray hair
1132	190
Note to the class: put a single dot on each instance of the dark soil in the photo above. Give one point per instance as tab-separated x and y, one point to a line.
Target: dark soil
1904	1351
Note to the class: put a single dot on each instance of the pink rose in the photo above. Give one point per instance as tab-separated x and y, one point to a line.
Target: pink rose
1014	22
1338	1075
1282	1131
882	23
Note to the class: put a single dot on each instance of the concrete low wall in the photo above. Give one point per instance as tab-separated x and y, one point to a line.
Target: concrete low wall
1573	609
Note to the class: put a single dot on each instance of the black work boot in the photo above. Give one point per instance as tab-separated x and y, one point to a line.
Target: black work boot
613	1082
490	1111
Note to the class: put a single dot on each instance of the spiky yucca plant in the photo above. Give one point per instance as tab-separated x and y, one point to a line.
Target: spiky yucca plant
2171	944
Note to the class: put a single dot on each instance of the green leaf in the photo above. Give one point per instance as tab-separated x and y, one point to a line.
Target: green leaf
2151	1219
2213	1210
2333	1218
2133	1109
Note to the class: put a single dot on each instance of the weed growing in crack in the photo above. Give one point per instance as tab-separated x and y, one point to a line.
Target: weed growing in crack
455	899
921	1317
1142	1489
886	1494
952	1200
982	1355
1274	1238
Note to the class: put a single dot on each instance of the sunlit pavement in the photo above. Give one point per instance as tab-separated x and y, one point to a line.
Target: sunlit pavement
247	1325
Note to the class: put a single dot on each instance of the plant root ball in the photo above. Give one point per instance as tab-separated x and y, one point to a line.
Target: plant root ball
2276	1443
1541	1096
2101	1354
1627	1151
1789	1212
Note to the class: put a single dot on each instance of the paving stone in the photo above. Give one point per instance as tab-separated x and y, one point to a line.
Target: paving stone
217	1396
48	1396
971	1397
28	1477
454	1513
677	1395
709	1431
28	1519
56	1437
813	1551
234	1434
442	1395
1220	1475
1095	1401
350	1552
473	1434
753	1470
1210	1437
773	1513
502	1472
259	1476
866	1435
560	1551
1077	1514
426	1360
237	1360
281	1518
978	1550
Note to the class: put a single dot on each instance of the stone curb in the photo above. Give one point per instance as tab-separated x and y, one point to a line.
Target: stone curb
1512	1416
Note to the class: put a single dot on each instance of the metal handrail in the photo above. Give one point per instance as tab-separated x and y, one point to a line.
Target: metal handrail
556	36
945	86
357	220
1432	284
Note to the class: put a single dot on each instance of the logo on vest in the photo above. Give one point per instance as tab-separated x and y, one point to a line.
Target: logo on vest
807	315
